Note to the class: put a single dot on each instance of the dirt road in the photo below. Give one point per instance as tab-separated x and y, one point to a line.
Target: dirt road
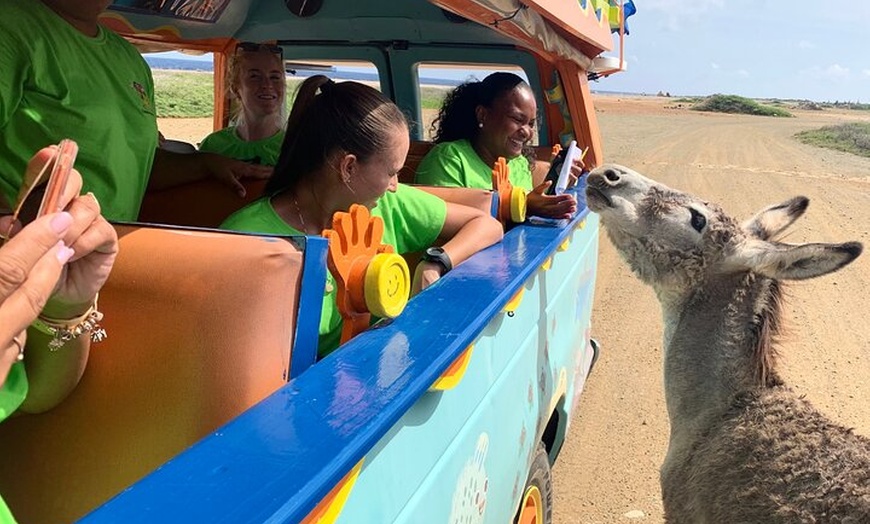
608	470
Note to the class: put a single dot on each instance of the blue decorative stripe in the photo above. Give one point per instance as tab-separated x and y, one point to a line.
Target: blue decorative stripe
310	305
277	460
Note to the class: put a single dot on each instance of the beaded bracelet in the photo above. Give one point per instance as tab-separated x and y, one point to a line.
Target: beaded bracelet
64	330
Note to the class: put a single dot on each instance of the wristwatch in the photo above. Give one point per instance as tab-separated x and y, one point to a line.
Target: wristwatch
438	256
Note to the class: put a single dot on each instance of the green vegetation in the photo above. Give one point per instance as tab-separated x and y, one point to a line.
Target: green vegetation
856	106
738	104
431	97
188	94
183	94
688	100
851	138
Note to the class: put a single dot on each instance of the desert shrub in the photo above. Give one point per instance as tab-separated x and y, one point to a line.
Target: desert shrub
738	104
851	138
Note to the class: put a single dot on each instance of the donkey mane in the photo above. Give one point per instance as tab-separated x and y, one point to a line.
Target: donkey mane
766	330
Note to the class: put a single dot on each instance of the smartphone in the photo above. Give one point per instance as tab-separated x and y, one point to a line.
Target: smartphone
59	168
57	180
555	170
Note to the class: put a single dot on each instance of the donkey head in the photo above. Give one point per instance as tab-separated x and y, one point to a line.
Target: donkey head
676	242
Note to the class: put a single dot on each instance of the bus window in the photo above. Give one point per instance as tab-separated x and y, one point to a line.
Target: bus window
299	69
183	94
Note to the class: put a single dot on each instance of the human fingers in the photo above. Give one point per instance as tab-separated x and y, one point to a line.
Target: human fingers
21	253
72	189
24	303
258	172
233	176
85	210
541	188
37	163
8	228
99	238
10	352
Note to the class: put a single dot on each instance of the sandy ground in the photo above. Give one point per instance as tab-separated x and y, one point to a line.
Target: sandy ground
608	469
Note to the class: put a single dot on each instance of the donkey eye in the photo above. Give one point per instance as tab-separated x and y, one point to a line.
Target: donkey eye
698	220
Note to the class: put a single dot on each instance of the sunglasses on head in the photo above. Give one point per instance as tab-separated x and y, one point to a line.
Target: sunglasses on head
254	47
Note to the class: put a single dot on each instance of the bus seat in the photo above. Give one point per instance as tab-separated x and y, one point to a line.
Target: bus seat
178	146
199	328
416	152
204	203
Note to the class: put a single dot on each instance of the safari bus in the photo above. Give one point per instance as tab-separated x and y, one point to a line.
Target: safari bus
207	402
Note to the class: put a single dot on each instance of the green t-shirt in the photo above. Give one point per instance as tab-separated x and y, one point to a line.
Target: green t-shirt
58	83
12	394
413	219
456	164
226	142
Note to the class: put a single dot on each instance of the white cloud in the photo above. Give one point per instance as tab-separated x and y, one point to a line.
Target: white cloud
743	73
865	73
837	71
714	65
832	72
804	44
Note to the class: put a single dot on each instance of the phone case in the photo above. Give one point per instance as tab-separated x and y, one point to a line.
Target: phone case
57	180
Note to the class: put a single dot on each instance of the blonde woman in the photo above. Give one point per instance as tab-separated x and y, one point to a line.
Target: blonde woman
257	82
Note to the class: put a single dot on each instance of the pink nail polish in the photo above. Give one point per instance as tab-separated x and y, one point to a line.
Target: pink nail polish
64	253
61	222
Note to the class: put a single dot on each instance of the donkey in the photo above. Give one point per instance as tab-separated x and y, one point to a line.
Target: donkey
744	447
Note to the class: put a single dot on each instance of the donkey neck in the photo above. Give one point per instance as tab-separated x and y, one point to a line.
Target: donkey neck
712	338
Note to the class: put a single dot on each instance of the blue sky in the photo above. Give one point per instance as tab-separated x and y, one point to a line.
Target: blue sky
760	49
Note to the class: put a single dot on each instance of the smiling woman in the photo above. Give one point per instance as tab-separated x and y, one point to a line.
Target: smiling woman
478	123
258	84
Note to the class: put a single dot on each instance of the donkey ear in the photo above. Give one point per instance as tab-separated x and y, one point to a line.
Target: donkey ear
792	262
773	220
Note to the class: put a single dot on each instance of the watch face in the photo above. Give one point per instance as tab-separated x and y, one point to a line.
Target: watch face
438	256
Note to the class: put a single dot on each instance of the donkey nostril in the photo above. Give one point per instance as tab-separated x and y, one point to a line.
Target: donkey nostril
611	175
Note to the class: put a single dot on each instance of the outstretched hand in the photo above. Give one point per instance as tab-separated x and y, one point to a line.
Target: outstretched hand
550	206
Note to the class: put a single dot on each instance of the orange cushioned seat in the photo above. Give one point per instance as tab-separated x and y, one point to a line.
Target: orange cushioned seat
200	326
205	203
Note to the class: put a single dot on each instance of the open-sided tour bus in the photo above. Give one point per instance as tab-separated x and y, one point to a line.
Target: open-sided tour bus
206	403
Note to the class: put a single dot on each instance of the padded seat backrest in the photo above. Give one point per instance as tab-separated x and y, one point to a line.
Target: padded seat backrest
205	203
200	327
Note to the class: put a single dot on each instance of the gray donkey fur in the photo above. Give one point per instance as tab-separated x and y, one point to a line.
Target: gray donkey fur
744	448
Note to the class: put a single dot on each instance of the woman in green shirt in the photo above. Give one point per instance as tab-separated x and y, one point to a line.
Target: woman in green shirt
258	83
345	144
480	122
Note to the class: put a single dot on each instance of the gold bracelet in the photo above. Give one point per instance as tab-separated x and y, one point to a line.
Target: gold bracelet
64	330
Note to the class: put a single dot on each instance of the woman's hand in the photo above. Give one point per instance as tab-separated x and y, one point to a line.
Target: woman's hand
92	239
30	266
577	170
95	246
426	274
231	172
550	206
